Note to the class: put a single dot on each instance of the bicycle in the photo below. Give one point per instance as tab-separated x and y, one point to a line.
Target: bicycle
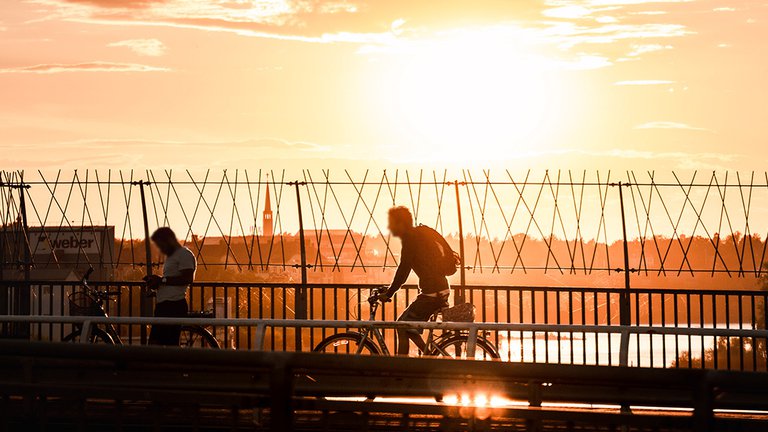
370	340
90	302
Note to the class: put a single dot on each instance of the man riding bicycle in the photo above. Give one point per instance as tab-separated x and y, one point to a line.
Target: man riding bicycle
427	253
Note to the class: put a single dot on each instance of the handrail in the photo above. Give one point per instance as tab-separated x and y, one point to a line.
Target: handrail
418	325
586	289
472	329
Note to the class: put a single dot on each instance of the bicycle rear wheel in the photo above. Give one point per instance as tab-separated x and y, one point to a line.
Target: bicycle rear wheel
455	346
347	343
197	337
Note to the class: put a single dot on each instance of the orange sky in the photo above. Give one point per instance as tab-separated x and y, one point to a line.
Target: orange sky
598	84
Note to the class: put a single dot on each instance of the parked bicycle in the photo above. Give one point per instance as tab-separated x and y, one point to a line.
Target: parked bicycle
89	301
371	341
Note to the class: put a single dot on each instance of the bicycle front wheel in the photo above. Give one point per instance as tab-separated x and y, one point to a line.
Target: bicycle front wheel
197	337
98	336
347	343
455	346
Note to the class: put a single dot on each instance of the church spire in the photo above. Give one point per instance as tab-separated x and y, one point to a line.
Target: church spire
268	201
267	224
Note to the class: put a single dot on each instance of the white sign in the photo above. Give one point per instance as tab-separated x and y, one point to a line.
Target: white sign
71	242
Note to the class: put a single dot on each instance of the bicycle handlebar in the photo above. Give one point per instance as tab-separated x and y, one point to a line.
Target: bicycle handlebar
377	293
87	275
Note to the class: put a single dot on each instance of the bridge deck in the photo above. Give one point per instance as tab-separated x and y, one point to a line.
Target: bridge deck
99	387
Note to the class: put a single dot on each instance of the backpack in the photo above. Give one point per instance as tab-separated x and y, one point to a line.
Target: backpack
447	261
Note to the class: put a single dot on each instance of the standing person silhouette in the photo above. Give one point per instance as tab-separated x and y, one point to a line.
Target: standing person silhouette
427	253
178	274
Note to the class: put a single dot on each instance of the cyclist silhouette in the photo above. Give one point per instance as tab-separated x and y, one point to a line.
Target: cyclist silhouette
427	253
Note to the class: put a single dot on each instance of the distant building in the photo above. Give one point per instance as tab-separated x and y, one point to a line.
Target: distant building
59	253
55	254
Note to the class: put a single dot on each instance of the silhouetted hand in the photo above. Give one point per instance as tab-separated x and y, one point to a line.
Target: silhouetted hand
153	281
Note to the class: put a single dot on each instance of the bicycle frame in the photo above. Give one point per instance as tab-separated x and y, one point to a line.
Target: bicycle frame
100	299
110	329
365	331
430	344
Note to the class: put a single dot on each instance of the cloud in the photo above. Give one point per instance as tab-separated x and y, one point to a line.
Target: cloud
477	45
113	143
681	160
312	19
130	4
272	143
363	20
643	82
570	12
249	29
641	154
668	125
638	50
571	34
667	159
632	154
574	34
97	66
655	12
140	152
143	47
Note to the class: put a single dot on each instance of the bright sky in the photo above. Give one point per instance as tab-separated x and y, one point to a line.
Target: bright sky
598	84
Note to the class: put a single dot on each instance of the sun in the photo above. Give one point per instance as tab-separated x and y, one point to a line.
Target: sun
472	97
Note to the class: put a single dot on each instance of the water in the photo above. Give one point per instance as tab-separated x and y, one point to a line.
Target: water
602	349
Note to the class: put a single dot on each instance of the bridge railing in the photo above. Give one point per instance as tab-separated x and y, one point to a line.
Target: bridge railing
654	308
561	339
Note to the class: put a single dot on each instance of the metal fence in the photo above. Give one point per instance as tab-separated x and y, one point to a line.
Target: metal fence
694	310
503	222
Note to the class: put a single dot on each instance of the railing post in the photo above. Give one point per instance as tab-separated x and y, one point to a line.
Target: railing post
459	292
703	410
5	289
146	300
261	330
15	298
765	313
301	292
23	299
472	342
625	310
281	408
86	331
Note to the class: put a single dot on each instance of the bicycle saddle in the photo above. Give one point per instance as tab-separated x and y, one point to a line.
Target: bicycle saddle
200	314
